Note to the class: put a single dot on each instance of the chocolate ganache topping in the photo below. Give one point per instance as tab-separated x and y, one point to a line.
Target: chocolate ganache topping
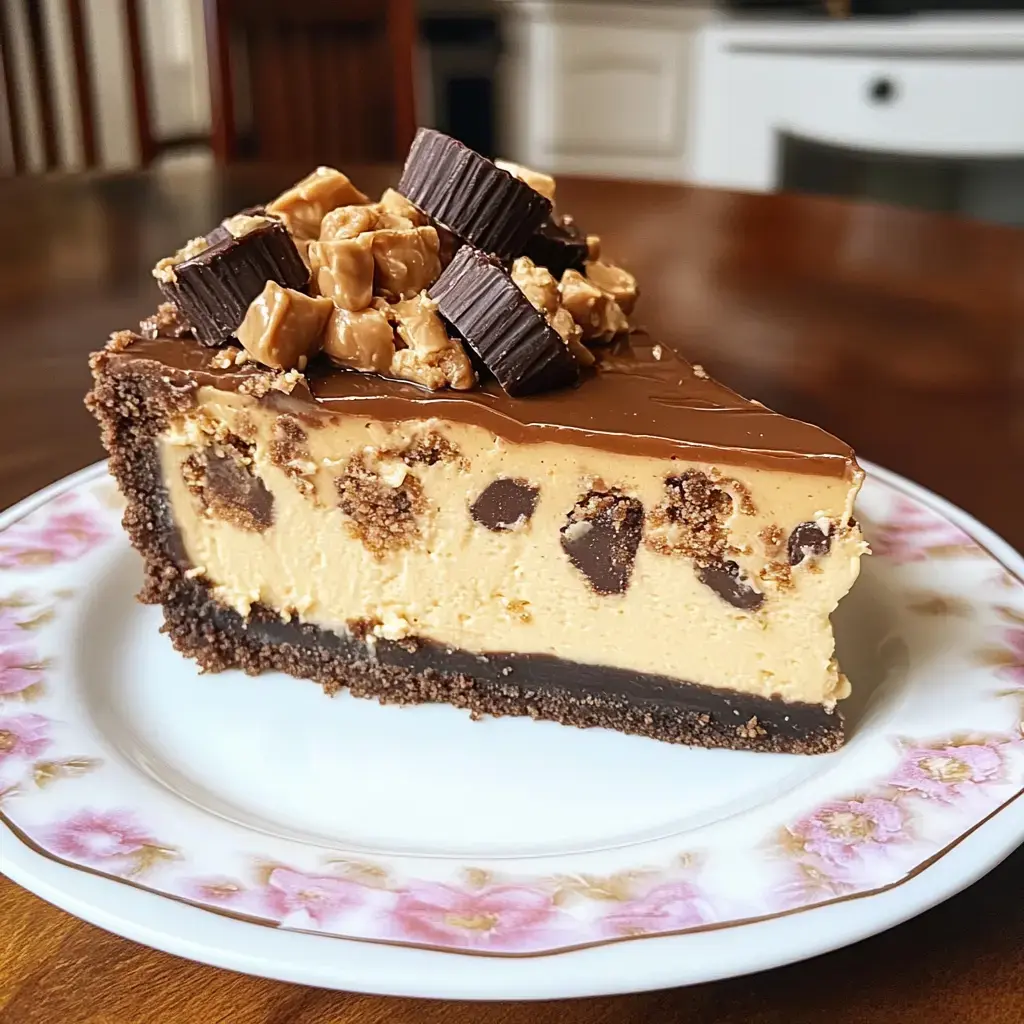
429	305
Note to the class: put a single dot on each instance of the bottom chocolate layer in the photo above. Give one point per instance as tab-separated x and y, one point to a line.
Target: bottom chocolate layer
540	686
409	671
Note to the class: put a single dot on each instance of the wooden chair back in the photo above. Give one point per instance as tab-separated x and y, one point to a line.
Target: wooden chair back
315	81
36	75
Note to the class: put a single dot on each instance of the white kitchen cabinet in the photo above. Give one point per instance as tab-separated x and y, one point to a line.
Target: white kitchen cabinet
598	88
688	93
938	87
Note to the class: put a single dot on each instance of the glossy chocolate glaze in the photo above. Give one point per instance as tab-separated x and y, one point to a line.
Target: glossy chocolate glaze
642	398
546	674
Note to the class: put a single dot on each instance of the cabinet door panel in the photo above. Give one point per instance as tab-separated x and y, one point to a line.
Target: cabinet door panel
618	92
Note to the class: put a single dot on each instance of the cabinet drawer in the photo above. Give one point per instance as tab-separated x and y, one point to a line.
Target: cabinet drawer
952	106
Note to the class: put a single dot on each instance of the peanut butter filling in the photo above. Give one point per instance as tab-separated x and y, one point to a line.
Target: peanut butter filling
384	533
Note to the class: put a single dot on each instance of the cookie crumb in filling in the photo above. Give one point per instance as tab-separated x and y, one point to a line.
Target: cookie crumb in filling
382	517
691	521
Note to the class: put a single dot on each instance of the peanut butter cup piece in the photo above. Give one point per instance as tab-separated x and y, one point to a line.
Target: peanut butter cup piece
212	286
559	245
478	297
470	196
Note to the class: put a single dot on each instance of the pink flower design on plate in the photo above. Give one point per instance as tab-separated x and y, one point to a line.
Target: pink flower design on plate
63	537
810	880
912	531
322	897
506	917
842	831
97	836
19	669
666	908
1014	671
218	889
944	773
12	628
23	736
222	891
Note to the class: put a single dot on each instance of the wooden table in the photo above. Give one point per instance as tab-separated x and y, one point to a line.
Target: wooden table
901	332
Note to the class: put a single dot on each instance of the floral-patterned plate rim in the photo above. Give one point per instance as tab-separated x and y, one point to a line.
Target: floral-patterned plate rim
923	801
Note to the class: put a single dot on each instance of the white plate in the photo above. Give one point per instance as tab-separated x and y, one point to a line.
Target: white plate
257	825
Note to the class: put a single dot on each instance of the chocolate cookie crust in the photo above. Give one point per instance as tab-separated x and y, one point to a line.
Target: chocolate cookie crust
134	404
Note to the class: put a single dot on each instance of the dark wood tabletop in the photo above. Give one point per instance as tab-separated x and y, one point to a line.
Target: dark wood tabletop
901	332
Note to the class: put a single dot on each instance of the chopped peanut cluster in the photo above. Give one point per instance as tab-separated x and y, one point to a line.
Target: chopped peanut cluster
429	357
579	308
407	340
596	312
537	284
615	282
164	270
370	264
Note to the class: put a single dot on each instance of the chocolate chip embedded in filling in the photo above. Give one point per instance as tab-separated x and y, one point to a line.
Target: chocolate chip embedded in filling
505	504
601	537
808	539
223	478
726	579
383	516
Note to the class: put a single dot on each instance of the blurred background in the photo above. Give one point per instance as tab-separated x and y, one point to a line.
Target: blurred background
912	102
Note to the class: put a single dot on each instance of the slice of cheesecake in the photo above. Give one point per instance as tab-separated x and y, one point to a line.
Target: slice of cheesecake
520	516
